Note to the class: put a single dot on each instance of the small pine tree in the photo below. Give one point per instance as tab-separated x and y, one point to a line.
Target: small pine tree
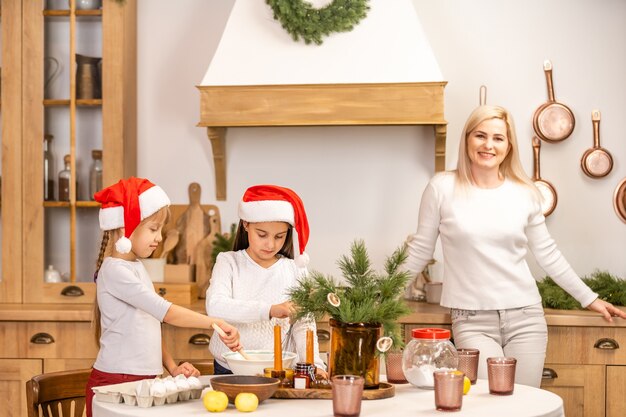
369	297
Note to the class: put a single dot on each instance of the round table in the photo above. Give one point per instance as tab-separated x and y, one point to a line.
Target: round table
408	401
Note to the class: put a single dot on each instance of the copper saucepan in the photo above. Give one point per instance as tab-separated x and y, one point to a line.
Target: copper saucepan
553	121
596	162
548	193
619	200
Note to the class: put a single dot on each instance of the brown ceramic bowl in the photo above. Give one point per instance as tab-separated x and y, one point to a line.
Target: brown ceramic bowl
231	385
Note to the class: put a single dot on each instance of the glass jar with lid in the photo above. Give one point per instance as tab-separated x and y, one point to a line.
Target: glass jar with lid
429	350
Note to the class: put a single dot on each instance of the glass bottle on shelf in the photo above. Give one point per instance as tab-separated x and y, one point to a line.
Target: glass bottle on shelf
64	180
95	173
48	168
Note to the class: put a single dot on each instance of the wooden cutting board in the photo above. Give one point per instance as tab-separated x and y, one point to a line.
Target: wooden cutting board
385	390
193	225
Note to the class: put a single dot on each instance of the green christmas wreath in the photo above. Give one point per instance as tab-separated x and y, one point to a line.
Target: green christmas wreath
302	20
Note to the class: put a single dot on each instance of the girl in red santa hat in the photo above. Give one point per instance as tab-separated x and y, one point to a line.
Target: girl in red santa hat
249	285
128	312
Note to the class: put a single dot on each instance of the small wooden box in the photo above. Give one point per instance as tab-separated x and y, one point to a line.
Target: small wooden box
182	294
179	274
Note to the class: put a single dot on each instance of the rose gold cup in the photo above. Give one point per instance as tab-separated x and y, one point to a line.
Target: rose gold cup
448	390
347	394
501	373
468	363
393	364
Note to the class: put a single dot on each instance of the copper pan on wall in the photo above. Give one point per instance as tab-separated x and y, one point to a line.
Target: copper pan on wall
619	200
553	121
548	193
596	162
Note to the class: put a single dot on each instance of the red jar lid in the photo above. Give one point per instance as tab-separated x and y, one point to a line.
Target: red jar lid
430	333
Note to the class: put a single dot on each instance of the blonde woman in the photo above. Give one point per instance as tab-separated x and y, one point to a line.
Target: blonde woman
488	215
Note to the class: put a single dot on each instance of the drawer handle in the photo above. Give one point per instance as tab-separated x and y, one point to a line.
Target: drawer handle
42	339
549	373
200	339
323	335
162	291
606	343
72	291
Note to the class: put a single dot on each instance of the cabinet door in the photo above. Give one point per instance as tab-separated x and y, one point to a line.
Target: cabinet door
190	344
580	386
63	230
615	391
13	377
11	160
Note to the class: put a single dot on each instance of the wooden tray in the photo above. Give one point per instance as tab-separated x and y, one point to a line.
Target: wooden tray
385	390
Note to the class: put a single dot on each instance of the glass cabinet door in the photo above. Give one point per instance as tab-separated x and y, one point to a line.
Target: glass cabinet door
82	73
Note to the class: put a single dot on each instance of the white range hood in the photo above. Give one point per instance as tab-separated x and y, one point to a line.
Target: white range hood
383	72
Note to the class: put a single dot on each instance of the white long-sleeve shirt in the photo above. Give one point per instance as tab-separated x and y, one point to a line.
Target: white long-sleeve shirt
131	315
485	236
242	293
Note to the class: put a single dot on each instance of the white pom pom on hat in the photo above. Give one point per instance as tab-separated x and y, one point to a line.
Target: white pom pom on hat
271	203
126	203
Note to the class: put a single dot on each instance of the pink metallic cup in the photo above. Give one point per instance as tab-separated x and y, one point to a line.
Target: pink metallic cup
468	363
501	373
347	395
393	365
448	390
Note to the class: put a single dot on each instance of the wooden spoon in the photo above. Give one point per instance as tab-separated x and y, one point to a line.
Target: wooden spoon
171	240
222	333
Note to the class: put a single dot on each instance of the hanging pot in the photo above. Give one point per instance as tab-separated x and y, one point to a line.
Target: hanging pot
596	162
353	351
553	121
482	95
548	193
619	200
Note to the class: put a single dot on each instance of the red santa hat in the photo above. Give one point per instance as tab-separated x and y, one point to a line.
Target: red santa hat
271	203
126	204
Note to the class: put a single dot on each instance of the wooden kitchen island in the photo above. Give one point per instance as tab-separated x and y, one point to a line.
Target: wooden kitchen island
585	363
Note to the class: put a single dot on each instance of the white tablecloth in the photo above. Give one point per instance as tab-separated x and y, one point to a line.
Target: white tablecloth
408	401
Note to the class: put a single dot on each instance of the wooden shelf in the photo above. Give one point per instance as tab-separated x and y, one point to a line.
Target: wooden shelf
66	102
319	105
66	12
66	204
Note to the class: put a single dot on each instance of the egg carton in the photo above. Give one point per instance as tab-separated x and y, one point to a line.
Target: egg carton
149	392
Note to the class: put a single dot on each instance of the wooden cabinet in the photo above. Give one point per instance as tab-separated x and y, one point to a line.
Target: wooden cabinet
65	233
11	164
586	366
13	377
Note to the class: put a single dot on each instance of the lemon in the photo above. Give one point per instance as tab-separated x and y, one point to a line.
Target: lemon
246	402
466	385
215	401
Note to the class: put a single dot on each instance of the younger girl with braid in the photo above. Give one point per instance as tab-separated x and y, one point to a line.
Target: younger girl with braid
128	312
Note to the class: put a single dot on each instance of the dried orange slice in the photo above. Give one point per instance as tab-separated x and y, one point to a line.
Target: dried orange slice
384	344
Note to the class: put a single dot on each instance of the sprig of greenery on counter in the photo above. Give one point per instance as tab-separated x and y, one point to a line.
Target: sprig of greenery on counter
608	287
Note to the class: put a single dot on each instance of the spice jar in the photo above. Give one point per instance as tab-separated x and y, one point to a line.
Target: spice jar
430	350
303	375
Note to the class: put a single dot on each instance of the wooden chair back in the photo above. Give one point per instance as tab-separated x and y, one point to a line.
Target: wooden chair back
57	394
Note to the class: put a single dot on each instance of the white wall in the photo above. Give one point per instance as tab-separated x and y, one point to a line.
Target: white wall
366	182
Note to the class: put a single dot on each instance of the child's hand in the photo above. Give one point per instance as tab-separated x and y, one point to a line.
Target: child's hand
320	373
228	334
186	369
283	310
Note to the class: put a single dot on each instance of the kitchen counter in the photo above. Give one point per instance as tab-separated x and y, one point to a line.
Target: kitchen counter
421	312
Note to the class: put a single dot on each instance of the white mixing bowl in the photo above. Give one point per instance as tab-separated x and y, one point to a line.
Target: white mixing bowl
259	360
